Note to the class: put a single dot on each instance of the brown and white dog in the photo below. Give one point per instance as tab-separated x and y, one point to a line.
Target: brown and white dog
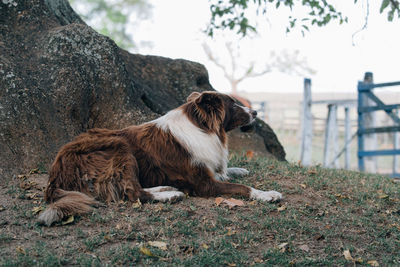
184	150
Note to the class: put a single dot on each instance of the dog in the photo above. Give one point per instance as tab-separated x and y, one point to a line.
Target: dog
183	152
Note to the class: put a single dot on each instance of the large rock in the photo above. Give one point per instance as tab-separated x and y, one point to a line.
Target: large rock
58	78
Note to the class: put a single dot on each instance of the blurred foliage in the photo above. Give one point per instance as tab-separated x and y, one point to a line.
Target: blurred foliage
112	17
235	14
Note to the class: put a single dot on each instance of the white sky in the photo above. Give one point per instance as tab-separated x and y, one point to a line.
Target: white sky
175	30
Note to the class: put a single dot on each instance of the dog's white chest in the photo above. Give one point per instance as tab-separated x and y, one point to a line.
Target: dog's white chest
204	148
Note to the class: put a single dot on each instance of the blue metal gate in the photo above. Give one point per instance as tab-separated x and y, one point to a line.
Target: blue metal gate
366	89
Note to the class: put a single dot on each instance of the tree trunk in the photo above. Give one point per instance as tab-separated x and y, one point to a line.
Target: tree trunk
59	78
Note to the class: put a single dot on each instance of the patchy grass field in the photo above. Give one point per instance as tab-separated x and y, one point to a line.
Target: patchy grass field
328	217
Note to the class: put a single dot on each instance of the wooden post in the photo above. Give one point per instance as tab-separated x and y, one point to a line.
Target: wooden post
369	121
306	126
347	137
331	137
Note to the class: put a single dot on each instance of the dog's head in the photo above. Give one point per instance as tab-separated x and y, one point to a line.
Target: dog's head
213	111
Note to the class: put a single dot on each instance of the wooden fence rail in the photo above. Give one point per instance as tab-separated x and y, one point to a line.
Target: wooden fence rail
331	144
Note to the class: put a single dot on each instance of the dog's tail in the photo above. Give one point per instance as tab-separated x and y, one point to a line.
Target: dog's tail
65	203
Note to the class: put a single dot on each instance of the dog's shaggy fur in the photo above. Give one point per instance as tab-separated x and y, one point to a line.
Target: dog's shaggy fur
184	150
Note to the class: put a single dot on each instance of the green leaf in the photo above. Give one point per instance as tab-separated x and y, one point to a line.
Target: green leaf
384	5
390	15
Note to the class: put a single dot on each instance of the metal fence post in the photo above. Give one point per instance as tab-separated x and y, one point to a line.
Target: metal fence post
395	146
306	126
360	128
369	121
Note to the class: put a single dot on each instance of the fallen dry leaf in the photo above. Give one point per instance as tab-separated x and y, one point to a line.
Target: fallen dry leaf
304	186
24	184
230	202
36	210
205	246
32	196
137	204
249	154
373	263
252	203
383	196
358	260
283	247
21	176
231	232
20	250
158	244
218	200
347	255
281	208
234	202
312	171
69	220
232	264
158	207
34	171
146	252
258	260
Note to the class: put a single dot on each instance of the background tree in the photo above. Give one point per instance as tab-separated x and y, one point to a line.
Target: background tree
112	17
238	68
235	14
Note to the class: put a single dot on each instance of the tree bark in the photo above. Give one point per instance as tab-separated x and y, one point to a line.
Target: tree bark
59	78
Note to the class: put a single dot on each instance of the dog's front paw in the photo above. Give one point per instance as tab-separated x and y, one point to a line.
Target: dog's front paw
159	189
237	172
268	196
166	196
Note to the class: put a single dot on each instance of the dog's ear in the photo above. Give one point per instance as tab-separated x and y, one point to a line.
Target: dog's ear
209	100
210	109
192	96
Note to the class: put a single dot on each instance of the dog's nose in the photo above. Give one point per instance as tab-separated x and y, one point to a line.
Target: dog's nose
254	113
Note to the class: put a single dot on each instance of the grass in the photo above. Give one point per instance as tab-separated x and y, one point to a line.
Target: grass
325	212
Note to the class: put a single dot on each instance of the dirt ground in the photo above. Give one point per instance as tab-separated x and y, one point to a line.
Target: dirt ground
324	214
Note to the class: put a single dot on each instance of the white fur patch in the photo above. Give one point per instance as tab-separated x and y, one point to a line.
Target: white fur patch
48	216
230	173
168	196
204	148
160	189
237	172
268	196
